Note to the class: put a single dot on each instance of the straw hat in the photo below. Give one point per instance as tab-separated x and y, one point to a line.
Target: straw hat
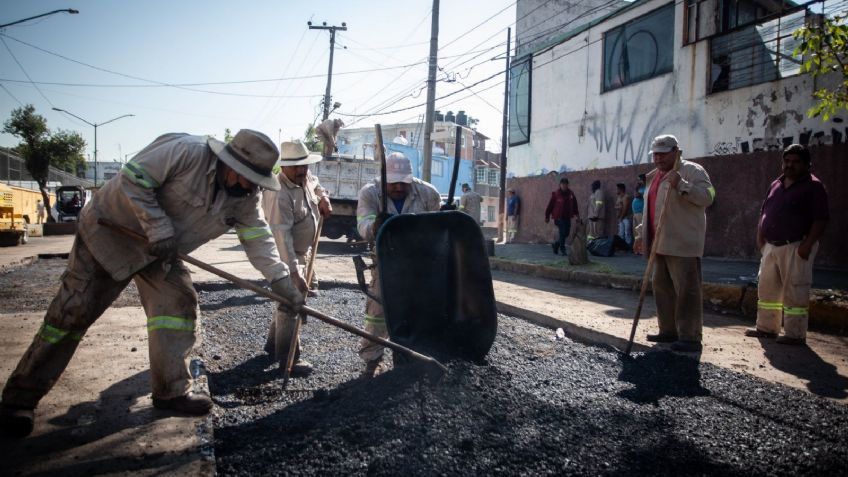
251	155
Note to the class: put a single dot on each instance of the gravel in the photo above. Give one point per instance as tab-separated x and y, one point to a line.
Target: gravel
538	406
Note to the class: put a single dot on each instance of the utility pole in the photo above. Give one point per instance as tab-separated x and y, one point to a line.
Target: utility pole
431	92
504	141
330	70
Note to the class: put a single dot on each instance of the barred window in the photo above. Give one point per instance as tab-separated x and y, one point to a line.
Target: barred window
481	175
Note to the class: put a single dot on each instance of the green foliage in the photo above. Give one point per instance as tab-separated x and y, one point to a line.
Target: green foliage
40	149
228	135
310	139
824	49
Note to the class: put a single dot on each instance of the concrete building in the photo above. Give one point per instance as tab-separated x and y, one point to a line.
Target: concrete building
721	75
478	167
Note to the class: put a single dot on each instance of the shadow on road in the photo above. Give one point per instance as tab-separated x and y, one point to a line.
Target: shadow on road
801	361
656	375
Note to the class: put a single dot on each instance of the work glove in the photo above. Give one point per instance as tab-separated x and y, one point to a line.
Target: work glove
447	207
165	249
378	222
286	288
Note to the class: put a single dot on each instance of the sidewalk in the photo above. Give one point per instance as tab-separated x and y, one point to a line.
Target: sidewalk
729	285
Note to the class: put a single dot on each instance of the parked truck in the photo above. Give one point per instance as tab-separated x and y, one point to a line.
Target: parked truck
18	208
343	176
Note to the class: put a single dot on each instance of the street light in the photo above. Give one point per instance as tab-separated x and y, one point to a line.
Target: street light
95	133
69	10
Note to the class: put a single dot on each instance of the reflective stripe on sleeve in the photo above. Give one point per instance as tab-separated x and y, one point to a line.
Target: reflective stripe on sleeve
599	202
53	335
365	217
769	305
711	191
138	175
795	310
252	233
175	323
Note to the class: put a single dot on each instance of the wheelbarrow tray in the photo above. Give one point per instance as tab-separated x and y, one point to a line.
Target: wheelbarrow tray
436	285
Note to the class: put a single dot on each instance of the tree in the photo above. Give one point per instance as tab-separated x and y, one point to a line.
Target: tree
310	139
228	135
40	149
824	47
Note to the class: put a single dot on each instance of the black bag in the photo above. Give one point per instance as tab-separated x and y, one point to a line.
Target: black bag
601	247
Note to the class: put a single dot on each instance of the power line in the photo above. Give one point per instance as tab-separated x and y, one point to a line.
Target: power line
10	94
25	72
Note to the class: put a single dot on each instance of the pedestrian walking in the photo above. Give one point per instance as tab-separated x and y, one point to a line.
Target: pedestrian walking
562	206
792	219
638	207
679	191
292	214
596	212
624	213
181	191
406	195
470	203
513	213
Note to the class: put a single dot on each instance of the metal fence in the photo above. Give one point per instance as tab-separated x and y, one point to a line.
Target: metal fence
13	172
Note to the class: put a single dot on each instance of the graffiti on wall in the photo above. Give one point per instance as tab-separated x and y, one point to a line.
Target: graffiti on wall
616	133
806	137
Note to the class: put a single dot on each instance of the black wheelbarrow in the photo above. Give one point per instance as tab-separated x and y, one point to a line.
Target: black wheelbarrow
436	285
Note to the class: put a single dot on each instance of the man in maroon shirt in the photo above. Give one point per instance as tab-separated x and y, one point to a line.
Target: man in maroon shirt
562	207
792	219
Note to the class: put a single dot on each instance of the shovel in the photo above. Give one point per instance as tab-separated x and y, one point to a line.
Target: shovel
431	362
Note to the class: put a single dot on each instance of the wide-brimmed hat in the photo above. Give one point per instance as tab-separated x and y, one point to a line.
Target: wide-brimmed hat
251	155
664	143
294	153
398	168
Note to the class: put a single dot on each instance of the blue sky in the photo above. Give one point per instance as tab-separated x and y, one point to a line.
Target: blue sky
133	48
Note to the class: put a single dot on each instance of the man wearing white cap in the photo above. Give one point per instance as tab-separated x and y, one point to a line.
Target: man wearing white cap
678	191
406	195
180	192
292	213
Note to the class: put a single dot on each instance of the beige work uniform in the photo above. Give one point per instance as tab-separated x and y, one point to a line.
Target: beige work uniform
595	210
680	245
292	213
470	204
422	197
783	289
167	190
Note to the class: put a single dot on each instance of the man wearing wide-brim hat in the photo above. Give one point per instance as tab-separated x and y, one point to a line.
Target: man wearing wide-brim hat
180	192
293	212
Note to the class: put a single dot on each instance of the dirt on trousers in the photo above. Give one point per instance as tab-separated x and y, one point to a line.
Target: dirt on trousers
537	406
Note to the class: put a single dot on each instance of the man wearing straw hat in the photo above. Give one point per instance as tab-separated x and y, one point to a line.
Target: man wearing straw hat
674	221
181	191
292	213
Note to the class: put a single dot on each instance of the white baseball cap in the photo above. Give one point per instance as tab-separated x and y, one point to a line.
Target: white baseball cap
664	143
398	168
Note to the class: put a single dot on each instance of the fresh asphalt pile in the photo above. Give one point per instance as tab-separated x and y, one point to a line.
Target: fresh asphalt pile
538	406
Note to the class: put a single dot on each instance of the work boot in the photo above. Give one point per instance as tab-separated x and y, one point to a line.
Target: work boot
191	403
373	368
300	369
755	333
662	338
16	421
790	341
687	346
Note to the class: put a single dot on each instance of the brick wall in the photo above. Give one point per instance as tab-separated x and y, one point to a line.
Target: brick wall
741	182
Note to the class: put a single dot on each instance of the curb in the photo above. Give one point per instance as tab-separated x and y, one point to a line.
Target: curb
739	300
24	261
577	333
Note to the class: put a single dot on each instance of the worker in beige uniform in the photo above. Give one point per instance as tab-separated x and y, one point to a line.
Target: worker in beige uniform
292	213
470	203
181	191
596	212
679	191
406	195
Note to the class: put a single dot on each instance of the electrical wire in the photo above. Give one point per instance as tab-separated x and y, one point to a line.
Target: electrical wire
25	72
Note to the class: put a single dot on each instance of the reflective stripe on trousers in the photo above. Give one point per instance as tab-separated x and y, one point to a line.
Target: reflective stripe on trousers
784	290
